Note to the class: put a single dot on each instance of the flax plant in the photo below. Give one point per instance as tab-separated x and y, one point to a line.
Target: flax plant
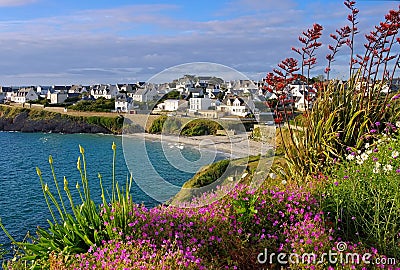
342	112
76	226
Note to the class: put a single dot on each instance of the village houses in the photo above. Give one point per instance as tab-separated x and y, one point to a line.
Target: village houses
24	95
123	103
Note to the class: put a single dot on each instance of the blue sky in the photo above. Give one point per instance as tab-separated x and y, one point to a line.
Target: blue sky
67	42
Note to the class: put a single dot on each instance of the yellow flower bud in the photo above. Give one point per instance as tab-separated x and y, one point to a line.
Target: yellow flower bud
114	146
78	164
50	159
81	150
46	188
38	171
77	185
65	184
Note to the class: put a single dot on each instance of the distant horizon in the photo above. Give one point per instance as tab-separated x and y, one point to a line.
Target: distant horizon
73	42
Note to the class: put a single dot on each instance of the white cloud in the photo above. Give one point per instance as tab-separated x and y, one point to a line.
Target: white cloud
135	42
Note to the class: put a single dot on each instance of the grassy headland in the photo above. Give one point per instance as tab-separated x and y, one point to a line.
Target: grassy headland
39	120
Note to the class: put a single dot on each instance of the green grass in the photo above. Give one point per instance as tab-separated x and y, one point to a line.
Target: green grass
113	124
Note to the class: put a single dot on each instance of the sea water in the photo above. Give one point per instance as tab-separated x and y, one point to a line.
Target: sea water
22	205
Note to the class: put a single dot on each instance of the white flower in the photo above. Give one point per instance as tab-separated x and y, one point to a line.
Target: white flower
377	164
398	124
369	152
360	161
364	156
366	145
387	168
350	157
272	175
395	154
375	170
359	152
284	182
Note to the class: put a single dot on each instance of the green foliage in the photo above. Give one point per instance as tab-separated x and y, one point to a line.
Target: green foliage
113	124
165	124
246	208
99	105
257	133
172	125
200	127
172	95
76	226
11	112
2	252
157	125
298	121
73	99
340	118
208	175
363	196
40	100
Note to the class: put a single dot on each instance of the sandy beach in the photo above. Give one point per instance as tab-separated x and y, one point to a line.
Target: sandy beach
236	146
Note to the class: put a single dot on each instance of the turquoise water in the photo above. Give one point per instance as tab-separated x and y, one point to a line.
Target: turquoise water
22	206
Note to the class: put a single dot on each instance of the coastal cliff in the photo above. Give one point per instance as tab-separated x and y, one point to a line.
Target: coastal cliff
35	120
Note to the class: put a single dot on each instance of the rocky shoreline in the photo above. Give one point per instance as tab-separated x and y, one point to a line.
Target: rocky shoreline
24	121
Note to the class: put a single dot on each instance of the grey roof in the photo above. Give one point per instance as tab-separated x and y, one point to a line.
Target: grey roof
196	90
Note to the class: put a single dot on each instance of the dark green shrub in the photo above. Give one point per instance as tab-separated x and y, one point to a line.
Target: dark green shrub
200	127
208	176
98	105
113	124
157	125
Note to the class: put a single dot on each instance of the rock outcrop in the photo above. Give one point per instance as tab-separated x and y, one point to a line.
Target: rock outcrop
57	124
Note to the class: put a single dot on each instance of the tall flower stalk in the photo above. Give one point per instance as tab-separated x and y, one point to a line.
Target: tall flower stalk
342	113
75	227
352	18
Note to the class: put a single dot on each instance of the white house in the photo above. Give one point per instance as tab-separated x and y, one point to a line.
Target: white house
106	91
10	96
58	97
172	105
5	93
77	89
25	95
234	106
123	103
199	104
144	94
185	83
